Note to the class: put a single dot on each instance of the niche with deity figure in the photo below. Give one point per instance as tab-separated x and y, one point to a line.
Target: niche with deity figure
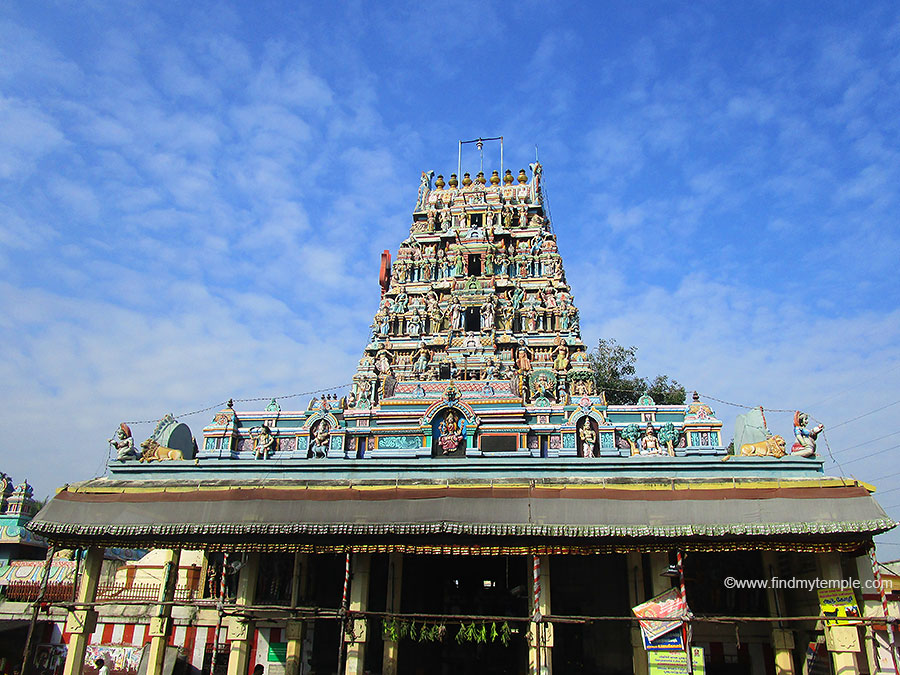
587	438
449	434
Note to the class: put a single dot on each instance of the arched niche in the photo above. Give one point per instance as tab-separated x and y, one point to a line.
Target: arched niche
584	449
450	431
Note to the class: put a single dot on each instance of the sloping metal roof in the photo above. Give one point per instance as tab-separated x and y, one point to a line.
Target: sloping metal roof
120	513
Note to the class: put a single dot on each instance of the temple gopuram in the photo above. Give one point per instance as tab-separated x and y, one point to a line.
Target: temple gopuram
473	503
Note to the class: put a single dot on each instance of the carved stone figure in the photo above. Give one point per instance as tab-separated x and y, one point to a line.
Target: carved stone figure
773	446
538	172
548	296
518	296
489	262
487	314
806	438
383	361
153	451
414	325
506	317
561	362
532	319
420	367
384	324
523	357
588	439
459	264
124	443
650	444
263	442
424	190
319	439
456	315
400	302
451	433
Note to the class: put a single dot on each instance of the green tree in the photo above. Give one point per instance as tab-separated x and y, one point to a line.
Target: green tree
615	373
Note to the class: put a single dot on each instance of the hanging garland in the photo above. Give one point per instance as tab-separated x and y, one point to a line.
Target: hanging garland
478	632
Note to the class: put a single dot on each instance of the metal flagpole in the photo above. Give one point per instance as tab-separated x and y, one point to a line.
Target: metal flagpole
679	560
220	610
888	627
536	616
343	612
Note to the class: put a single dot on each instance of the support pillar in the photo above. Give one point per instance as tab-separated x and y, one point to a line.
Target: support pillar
782	638
359	602
296	630
394	590
844	662
540	634
240	631
161	623
81	621
635	597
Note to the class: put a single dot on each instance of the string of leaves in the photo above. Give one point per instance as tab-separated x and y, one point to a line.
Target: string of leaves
477	632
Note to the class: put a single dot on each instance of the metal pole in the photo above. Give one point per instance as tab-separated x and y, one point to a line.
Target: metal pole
459	162
683	591
888	626
501	157
220	607
36	607
343	613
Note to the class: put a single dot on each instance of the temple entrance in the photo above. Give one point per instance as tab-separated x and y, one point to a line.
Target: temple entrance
590	586
478	586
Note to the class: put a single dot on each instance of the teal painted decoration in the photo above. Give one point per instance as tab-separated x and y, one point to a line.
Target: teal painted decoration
399	442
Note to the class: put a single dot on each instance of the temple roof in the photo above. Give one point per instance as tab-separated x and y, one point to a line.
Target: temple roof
413	515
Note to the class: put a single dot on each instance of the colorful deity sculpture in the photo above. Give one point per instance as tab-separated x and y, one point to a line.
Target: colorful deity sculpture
263	442
588	439
319	438
123	442
806	438
451	433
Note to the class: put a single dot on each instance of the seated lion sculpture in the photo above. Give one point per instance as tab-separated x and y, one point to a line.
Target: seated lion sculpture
771	447
151	450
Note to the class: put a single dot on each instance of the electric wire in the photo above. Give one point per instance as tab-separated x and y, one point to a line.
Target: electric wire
246	400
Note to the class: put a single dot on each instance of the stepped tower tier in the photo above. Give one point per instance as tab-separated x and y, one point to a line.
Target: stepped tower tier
477	293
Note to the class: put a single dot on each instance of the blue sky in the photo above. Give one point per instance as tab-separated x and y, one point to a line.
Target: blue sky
193	198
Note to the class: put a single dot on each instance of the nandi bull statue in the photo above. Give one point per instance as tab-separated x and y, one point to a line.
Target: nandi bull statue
806	438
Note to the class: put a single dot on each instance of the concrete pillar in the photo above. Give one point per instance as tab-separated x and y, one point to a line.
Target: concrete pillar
782	637
540	635
296	630
394	590
635	597
844	662
359	601
82	621
240	631
161	623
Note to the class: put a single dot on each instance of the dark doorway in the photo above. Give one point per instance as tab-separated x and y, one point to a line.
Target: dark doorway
475	265
480	585
590	586
324	588
473	319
